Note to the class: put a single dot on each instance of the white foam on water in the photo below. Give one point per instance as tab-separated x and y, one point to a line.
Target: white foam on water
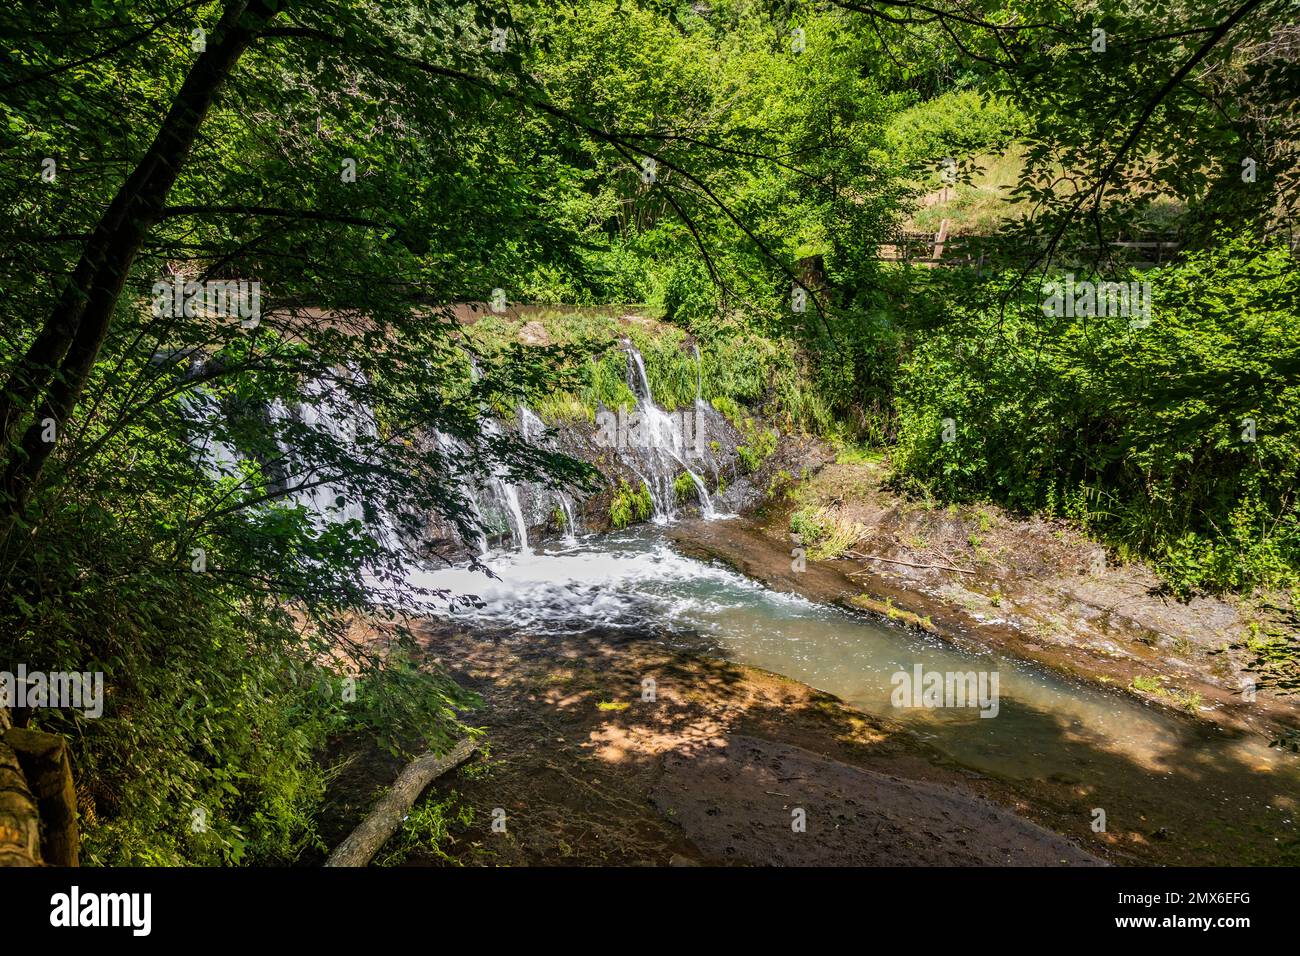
637	581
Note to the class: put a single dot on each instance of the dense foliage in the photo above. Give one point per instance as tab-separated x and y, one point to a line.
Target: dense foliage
1179	440
735	166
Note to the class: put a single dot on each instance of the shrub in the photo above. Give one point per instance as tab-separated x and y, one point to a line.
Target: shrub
1179	442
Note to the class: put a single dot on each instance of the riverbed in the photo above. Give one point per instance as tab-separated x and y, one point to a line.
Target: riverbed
1150	773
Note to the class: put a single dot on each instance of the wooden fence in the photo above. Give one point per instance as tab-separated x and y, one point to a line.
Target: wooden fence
940	248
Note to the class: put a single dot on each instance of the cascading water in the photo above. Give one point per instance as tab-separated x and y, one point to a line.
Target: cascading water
530	426
454	450
493	499
699	375
216	457
328	408
509	495
658	448
703	411
570	526
498	504
665	445
1048	726
667	450
533	430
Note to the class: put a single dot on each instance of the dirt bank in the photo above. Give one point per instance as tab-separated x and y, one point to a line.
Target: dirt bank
1031	588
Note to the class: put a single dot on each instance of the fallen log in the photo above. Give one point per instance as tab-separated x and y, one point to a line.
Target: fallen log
373	832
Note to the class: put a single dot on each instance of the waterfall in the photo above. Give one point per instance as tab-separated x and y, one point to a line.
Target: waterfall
494	499
530	426
570	528
699	374
506	494
666	448
327	408
452	450
498	504
533	429
511	496
704	412
216	457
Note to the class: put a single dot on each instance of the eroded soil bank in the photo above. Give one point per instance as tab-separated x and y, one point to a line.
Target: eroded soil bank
1037	590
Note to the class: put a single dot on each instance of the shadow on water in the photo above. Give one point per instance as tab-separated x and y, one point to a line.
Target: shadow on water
1172	790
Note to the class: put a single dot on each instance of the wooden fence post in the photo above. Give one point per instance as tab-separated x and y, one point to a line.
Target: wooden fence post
38	801
20	823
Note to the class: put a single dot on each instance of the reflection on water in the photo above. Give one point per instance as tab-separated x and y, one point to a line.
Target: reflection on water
1047	726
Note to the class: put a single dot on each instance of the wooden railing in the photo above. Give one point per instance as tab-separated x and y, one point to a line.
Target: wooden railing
925	248
940	248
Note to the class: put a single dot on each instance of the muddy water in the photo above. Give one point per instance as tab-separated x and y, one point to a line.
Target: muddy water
1145	766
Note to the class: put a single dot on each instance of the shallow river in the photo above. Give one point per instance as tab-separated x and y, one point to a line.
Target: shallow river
1046	727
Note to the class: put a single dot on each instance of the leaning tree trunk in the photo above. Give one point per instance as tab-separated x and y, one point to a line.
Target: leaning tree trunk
51	376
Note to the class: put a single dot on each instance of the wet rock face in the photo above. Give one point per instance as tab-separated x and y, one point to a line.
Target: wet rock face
654	464
673	463
672	481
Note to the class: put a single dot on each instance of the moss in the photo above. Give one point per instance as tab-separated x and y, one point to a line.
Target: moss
780	484
887	609
1189	701
630	505
605	381
563	407
759	444
684	488
857	455
729	408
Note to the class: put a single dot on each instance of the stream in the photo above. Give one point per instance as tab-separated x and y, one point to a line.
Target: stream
1103	744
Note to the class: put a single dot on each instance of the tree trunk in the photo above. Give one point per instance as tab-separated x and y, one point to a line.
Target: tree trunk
74	333
373	832
20	822
45	760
